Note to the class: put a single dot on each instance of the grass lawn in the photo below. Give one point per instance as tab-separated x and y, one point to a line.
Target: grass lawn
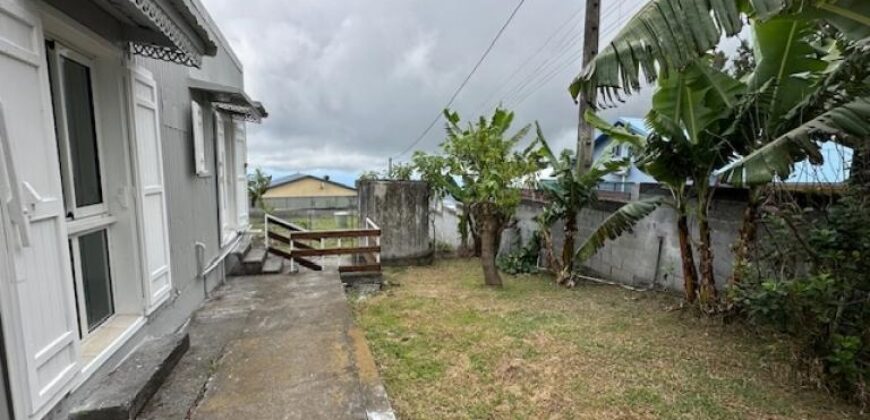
448	347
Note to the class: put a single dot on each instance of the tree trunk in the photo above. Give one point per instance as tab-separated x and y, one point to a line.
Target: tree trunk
859	173
690	275
555	266
489	248
463	231
747	234
568	249
708	280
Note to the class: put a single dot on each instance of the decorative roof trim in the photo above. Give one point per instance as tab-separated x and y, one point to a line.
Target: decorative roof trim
160	52
230	99
185	50
246	113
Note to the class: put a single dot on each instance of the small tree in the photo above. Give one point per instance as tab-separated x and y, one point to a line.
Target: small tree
258	183
400	172
489	171
567	193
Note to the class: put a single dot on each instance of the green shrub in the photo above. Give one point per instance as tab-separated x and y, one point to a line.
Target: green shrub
811	279
523	260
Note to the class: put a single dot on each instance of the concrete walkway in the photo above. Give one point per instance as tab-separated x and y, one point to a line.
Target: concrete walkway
274	347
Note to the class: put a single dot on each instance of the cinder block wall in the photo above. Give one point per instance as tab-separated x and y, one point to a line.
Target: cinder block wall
401	210
650	254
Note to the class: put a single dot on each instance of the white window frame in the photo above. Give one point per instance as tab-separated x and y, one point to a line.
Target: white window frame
86	219
61	51
75	256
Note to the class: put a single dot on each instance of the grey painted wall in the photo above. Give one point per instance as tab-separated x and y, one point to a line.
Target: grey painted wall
401	209
649	254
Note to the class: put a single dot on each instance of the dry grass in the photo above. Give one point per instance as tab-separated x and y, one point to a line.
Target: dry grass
447	347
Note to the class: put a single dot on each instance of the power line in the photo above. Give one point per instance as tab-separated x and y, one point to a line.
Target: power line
467	78
542	70
496	92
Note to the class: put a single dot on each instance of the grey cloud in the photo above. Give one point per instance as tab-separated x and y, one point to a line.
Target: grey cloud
349	83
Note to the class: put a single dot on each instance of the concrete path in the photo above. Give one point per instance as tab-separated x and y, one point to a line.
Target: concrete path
274	347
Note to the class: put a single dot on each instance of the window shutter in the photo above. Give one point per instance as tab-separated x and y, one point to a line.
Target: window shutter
241	150
198	139
37	301
153	221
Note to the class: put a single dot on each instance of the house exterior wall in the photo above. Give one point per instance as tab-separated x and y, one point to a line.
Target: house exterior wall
309	187
191	201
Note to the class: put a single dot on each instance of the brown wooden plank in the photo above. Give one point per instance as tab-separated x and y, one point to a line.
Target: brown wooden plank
301	261
350	233
334	251
284	225
281	238
308	264
359	268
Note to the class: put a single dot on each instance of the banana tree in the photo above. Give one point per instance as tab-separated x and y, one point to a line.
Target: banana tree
567	193
482	156
805	88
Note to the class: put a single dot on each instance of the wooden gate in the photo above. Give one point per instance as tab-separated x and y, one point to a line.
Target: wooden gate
301	246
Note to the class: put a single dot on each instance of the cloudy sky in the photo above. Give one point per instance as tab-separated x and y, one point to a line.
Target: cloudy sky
350	83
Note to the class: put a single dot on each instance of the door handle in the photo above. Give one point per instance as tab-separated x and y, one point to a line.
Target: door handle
12	196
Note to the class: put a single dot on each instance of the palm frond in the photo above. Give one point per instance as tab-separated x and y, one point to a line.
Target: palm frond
667	35
848	124
616	224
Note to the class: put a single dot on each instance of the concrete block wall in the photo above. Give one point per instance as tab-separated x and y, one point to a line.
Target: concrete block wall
650	253
401	210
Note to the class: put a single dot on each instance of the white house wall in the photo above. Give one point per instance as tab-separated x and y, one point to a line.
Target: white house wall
192	203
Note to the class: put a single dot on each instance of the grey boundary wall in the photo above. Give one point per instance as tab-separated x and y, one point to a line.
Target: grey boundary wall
649	255
401	210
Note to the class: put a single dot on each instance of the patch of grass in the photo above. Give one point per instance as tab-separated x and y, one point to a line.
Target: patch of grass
449	347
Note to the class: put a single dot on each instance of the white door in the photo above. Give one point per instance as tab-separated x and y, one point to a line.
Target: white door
38	301
153	221
223	199
241	174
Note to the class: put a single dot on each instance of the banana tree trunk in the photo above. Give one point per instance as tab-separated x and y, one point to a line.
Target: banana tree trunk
690	275
708	281
747	234
568	248
489	248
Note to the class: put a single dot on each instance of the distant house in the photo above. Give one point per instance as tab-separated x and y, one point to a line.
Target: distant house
305	192
623	180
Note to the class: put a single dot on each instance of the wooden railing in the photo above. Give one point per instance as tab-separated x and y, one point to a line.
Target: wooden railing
299	245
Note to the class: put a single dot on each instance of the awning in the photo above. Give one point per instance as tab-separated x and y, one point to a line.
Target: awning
230	99
163	29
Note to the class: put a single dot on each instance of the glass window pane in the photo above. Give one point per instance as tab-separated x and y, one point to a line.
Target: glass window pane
81	128
96	280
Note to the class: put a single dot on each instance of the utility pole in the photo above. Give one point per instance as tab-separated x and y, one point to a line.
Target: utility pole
590	49
389	166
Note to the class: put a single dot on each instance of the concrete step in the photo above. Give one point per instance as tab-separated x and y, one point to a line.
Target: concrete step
273	265
253	261
234	258
123	393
